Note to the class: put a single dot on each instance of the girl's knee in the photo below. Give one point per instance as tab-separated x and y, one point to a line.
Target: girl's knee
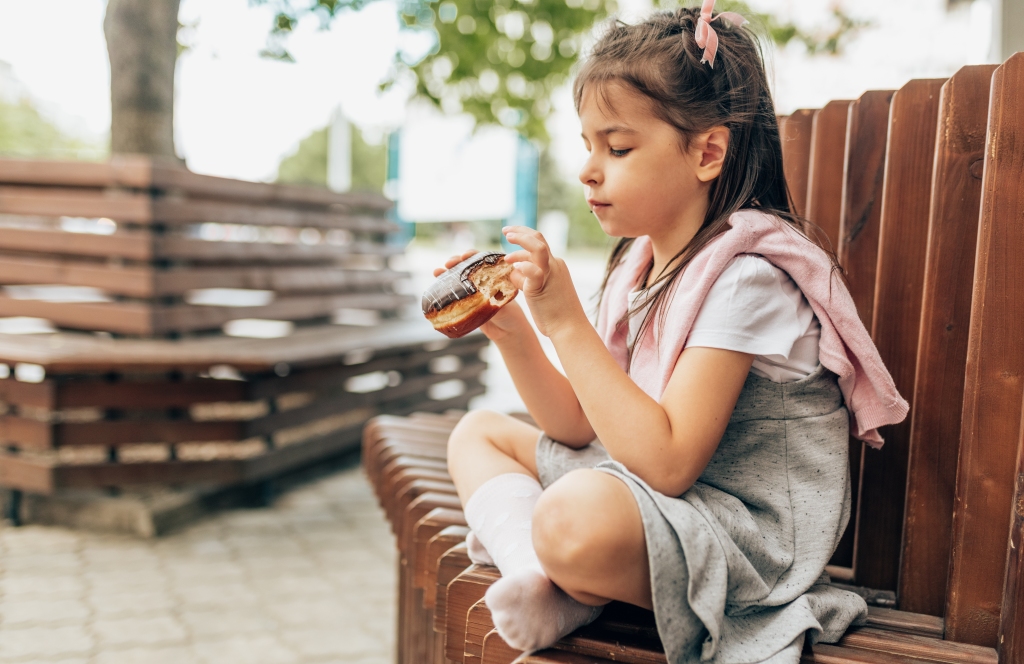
474	426
568	531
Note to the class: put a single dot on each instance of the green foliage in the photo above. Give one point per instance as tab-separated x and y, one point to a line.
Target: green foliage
25	133
308	164
501	61
498	60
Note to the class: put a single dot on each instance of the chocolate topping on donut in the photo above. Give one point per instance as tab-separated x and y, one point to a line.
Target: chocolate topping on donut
455	285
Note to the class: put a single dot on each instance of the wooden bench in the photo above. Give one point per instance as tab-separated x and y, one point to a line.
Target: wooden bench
929	229
138	385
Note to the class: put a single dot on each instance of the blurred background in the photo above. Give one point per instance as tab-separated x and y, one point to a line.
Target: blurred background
460	112
315	92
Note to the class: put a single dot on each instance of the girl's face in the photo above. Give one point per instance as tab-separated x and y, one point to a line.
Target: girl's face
638	179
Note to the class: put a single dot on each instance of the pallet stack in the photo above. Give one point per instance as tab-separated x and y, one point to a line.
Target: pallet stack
919	190
135	273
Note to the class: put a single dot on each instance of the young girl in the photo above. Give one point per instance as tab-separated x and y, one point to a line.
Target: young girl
693	458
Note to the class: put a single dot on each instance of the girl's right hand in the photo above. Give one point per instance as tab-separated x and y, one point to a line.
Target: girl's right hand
509	318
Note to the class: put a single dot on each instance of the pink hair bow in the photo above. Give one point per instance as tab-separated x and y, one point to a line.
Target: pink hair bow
705	35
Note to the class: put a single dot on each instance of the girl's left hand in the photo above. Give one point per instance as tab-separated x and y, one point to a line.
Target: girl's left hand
544	280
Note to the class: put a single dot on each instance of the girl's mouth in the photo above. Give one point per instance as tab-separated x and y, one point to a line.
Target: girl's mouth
596	205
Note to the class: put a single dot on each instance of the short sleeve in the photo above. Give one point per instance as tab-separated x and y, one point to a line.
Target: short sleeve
753	308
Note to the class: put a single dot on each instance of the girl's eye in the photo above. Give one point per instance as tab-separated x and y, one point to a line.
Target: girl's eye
620	153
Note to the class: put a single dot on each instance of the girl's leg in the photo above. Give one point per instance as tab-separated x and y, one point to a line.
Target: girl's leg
486	444
492	461
589	537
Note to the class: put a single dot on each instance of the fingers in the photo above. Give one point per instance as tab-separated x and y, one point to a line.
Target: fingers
535	246
458	258
530	271
453	261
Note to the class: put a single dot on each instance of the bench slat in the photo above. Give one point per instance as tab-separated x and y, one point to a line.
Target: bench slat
866	133
795	135
942	350
994	384
827	158
902	233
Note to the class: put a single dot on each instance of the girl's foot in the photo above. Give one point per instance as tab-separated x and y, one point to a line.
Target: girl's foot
532	613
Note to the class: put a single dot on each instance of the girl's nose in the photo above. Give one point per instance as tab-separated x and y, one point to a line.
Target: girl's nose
590	174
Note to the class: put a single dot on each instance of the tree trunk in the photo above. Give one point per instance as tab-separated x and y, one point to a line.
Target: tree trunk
142	43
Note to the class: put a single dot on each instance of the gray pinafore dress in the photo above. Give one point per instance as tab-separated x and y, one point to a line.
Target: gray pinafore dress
737	562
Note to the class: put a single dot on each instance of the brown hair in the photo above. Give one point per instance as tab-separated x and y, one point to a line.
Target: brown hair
659	59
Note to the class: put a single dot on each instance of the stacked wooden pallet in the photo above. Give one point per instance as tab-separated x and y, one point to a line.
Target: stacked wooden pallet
138	245
919	190
136	267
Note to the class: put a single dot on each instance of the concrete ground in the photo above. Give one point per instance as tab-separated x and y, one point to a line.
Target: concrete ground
309	579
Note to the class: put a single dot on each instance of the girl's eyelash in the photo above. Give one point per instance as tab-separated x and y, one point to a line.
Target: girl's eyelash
620	153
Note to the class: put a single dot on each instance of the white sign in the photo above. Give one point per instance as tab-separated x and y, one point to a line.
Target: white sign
449	172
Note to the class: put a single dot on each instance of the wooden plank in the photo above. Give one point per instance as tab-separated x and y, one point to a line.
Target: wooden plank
32	475
795	135
170	176
120	206
179	210
994	385
190	318
902	232
143	172
1011	622
324	379
121	317
141	394
132	171
130	245
128	317
310	346
464	591
862	196
178	247
942	349
80	392
38	395
825	172
920	647
278	279
339	402
857	247
126	432
40	476
439	545
145	281
26	433
132	281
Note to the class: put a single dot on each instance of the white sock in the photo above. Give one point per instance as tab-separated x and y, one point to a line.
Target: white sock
477	553
528	610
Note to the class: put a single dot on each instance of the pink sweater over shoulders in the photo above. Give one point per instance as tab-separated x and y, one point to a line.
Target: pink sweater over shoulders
845	347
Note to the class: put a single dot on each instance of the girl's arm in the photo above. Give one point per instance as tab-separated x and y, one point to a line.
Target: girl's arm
548	396
666	443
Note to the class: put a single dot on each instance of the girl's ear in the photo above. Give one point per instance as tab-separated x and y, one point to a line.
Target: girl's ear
711	147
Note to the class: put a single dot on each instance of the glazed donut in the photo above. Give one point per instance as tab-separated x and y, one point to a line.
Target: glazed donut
469	294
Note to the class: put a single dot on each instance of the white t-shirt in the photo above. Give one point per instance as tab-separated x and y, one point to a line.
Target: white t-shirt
756	308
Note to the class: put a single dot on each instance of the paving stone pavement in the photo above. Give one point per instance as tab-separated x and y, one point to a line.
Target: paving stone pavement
310	579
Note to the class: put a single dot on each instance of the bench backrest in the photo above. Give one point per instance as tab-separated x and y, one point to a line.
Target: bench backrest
937	498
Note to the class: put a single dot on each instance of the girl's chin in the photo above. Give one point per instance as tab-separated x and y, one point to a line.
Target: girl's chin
611	228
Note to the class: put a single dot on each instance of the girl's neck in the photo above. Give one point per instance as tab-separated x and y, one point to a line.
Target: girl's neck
668	243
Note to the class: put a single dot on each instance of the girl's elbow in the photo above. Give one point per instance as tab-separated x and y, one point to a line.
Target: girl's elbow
670	484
